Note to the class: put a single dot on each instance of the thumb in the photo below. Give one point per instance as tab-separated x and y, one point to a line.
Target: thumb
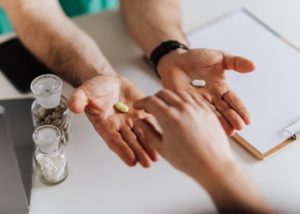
238	63
78	101
147	134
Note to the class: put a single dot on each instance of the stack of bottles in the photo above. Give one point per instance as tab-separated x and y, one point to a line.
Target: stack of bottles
52	123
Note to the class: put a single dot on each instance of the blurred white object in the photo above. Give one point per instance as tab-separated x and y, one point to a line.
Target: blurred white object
50	159
198	83
292	130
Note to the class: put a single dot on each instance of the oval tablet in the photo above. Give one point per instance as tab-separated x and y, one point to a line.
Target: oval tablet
198	83
122	107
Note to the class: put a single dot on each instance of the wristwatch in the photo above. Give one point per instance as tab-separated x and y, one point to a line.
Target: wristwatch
163	49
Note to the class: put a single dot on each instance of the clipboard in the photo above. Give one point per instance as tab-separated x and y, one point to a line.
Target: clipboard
270	93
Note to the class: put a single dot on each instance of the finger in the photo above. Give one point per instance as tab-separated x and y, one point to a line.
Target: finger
169	98
150	135
231	116
238	63
116	143
148	147
140	153
78	101
225	124
154	122
235	103
202	102
186	97
153	105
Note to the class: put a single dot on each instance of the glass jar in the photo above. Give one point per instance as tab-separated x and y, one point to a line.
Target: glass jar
50	161
50	106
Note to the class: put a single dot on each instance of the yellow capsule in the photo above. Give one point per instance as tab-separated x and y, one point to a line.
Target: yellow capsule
122	107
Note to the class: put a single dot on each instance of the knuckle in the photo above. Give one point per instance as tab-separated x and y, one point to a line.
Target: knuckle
207	107
178	91
176	119
227	108
158	94
203	98
184	93
129	122
119	149
186	107
238	124
112	146
146	101
150	98
174	115
110	126
161	92
139	115
222	106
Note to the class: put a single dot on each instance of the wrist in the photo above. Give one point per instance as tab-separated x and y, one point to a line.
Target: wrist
168	60
231	190
162	50
103	71
218	174
215	172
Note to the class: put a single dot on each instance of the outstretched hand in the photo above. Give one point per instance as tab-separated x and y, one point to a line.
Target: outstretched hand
192	139
97	98
180	67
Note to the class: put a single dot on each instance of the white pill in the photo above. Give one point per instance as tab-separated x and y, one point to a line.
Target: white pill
198	83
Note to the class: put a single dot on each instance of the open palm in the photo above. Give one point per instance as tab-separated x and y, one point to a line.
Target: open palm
179	68
97	98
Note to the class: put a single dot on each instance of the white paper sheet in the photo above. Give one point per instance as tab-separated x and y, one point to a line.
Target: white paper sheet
272	92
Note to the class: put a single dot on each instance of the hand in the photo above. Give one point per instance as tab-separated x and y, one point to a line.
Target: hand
193	140
97	97
180	67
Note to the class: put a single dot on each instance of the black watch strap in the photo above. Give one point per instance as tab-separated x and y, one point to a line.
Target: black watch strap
163	49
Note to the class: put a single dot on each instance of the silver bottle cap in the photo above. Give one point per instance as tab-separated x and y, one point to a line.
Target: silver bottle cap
47	90
47	138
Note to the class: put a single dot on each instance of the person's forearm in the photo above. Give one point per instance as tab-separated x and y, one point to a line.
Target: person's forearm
231	190
55	40
152	22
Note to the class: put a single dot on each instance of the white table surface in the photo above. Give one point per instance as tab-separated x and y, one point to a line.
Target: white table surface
100	183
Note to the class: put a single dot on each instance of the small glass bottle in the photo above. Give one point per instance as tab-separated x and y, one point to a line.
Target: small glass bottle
50	106
50	161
